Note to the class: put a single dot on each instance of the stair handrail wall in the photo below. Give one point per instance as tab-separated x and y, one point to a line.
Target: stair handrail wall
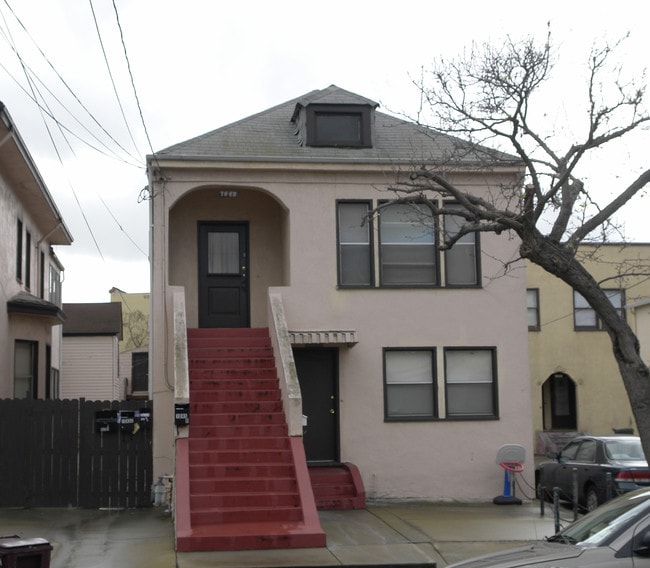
181	367
286	366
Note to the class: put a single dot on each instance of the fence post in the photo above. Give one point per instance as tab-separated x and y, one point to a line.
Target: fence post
556	508
575	493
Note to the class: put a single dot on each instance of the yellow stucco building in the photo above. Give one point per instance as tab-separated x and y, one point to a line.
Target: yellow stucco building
575	382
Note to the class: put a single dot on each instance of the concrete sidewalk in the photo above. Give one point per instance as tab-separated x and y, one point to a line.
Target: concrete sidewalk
391	534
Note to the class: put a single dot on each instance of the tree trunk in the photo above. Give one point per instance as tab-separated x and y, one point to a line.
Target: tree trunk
561	262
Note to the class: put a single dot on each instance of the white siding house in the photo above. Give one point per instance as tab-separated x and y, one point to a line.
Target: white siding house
91	336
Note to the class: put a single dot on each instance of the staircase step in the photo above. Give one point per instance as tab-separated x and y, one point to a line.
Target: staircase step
239	485
235	407
226	419
225	352
230	500
234	378
246	514
230	332
239	443
231	342
335	487
244	395
249	536
242	471
231	363
230	457
237	430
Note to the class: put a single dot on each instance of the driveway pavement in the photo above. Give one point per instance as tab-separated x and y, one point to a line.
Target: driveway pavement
381	535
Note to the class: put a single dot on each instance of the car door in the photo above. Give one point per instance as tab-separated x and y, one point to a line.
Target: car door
563	473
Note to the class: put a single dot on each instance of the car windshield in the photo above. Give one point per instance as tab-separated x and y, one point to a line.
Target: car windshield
624	450
599	526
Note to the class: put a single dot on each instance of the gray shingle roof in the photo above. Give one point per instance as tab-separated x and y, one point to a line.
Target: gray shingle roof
93	319
272	136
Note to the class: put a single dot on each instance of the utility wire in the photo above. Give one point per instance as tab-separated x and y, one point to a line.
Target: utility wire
128	64
110	74
51	65
120	226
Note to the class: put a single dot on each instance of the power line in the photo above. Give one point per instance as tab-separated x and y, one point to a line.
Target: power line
110	74
70	90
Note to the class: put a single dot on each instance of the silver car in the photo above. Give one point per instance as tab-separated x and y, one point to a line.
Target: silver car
615	535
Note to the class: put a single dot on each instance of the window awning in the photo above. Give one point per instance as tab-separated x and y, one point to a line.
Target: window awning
27	305
321	337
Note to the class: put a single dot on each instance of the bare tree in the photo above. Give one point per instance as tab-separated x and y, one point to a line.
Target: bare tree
136	327
491	97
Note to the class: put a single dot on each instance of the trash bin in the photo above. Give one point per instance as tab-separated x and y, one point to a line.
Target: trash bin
16	552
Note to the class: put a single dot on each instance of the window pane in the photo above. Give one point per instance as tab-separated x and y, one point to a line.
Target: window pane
407	251
23	369
355	263
223	253
353	225
460	260
338	128
461	265
469	365
408	264
408	366
586	318
410	400
469	400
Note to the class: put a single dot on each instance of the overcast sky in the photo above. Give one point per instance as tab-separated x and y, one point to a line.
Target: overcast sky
200	64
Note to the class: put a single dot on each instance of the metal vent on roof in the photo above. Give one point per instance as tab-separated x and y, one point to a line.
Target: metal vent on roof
335	337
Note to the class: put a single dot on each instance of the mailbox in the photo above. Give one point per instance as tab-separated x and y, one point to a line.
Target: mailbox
181	414
127	420
106	421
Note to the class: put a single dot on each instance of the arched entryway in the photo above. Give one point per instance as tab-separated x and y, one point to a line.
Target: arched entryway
559	403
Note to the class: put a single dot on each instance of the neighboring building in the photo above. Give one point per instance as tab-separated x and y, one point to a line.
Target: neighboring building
30	273
576	384
91	335
264	222
134	345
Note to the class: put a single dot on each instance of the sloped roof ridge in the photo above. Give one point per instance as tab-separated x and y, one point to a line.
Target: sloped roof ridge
335	94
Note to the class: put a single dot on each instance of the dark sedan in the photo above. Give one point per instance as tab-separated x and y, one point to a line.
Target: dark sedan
605	466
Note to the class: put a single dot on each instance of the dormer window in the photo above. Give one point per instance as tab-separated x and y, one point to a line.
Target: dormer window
338	125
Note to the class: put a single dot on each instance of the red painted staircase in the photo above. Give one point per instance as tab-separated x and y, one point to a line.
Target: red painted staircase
337	487
242	482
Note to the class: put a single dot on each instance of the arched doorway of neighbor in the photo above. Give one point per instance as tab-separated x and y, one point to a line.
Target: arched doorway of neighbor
559	402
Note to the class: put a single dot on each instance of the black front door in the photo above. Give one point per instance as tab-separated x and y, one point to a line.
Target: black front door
318	378
223	275
563	402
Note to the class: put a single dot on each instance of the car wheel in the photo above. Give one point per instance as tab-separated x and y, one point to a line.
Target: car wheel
591	498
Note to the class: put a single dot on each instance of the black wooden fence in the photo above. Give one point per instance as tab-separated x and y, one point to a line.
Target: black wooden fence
90	454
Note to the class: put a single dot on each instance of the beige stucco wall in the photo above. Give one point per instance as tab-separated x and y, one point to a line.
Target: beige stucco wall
293	247
21	327
586	356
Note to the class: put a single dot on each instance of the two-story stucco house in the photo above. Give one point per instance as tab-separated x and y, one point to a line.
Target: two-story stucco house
405	363
576	384
30	273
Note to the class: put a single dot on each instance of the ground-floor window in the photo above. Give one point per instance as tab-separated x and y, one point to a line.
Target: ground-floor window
25	369
469	383
409	376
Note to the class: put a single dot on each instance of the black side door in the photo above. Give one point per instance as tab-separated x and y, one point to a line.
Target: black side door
318	377
223	274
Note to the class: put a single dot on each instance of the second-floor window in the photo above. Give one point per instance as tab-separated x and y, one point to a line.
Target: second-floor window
55	286
532	305
585	317
407	253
